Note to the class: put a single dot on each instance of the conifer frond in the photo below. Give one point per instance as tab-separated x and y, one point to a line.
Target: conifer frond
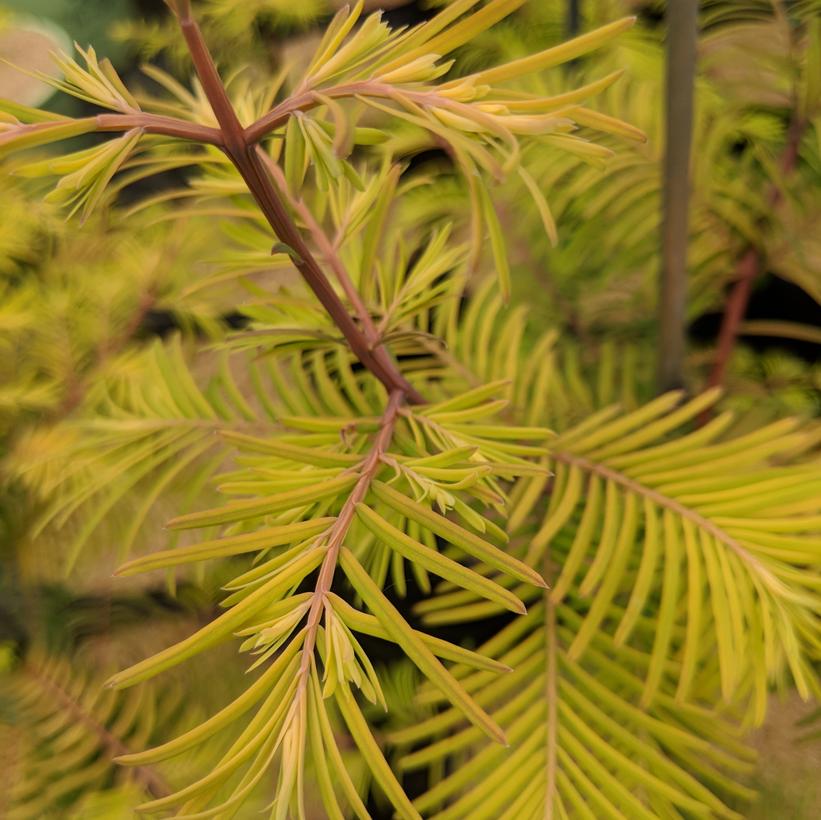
85	174
314	500
680	562
156	434
97	82
643	490
376	418
53	708
582	741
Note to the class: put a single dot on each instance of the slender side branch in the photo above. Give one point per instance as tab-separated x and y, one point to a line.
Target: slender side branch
746	273
247	161
340	528
232	132
279	115
748	270
159	124
305	101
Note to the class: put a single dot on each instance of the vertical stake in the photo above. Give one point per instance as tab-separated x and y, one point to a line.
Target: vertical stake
682	24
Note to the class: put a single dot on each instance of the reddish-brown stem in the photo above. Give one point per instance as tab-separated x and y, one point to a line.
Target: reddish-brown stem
340	527
325	246
748	270
232	132
375	360
279	115
149	123
746	273
241	151
306	100
158	124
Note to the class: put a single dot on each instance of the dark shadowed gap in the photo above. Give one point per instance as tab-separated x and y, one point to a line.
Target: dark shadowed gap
774	299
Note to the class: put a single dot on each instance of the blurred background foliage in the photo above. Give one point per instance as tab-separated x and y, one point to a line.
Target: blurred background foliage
759	64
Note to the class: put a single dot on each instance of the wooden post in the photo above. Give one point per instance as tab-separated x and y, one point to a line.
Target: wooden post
574	15
682	26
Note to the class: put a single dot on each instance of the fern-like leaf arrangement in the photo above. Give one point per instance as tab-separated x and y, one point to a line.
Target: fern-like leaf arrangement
380	421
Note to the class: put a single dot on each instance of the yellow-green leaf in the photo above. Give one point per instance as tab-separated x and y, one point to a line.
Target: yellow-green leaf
255	507
435	562
399	631
456	535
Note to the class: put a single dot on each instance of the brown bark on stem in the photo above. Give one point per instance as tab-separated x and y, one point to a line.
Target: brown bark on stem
735	307
325	246
241	151
158	124
332	258
339	530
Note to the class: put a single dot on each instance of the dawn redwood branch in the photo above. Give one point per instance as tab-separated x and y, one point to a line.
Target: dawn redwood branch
242	153
329	252
279	114
339	529
735	308
232	131
283	225
380	354
147	122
